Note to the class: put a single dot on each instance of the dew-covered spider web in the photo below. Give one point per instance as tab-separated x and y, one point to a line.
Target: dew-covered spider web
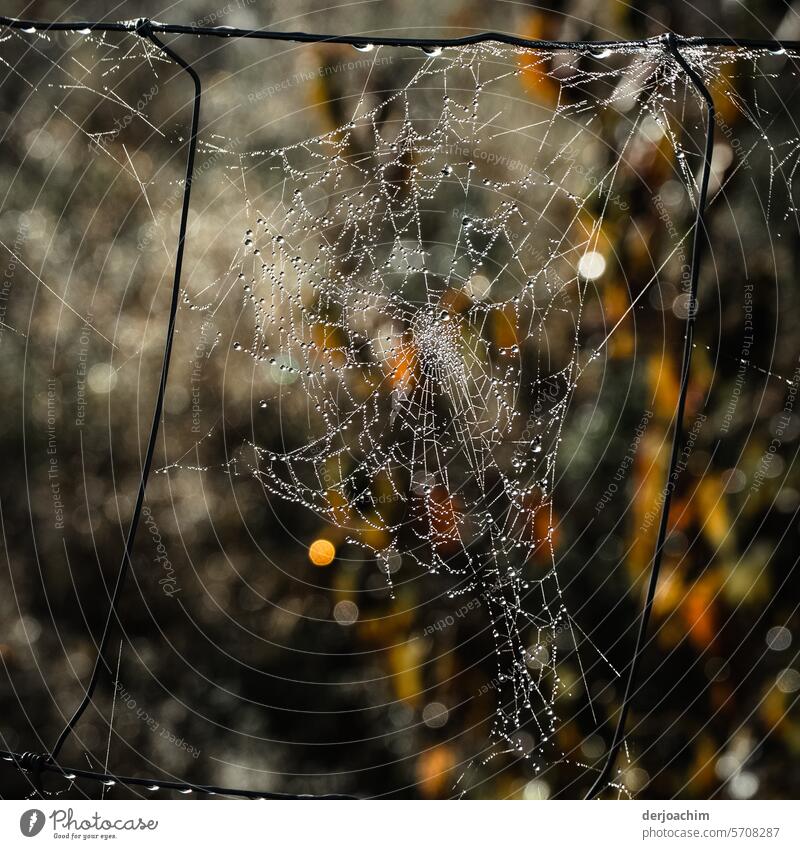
416	286
405	289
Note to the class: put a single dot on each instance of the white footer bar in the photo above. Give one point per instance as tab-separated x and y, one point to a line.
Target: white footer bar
401	825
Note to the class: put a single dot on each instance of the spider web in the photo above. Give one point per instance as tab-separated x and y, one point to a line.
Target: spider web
406	287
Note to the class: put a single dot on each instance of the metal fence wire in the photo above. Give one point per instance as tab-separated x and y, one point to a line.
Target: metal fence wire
35	764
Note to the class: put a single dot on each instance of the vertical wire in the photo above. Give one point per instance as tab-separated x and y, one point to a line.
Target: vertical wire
698	243
144	30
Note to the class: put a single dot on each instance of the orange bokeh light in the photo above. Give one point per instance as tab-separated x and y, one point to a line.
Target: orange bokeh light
321	552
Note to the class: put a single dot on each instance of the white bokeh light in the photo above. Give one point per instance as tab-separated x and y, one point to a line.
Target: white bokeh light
591	265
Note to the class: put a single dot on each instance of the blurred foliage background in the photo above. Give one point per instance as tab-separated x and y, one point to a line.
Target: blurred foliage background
269	653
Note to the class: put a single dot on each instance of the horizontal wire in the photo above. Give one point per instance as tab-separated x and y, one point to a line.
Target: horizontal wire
384	41
27	763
